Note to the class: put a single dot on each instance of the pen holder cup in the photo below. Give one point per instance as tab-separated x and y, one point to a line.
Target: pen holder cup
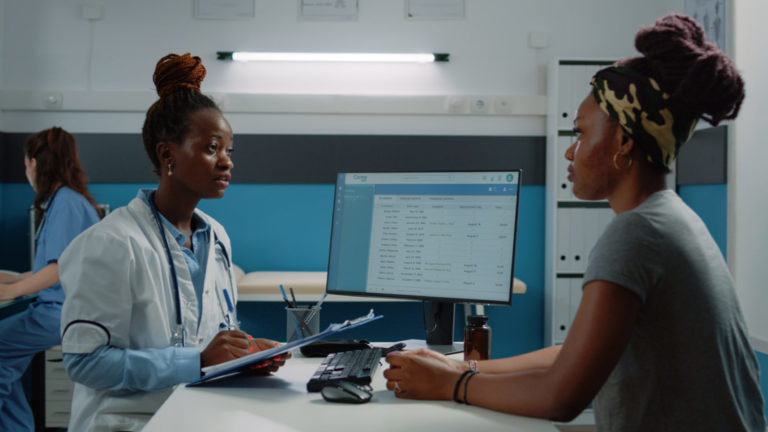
302	322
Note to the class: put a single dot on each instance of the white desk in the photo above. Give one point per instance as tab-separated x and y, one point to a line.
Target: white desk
281	403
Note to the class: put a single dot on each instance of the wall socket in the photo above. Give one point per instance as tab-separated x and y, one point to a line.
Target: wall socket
456	104
480	105
53	100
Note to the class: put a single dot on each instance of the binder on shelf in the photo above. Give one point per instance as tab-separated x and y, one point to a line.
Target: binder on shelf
579	222
244	363
564	187
576	292
562	306
563	252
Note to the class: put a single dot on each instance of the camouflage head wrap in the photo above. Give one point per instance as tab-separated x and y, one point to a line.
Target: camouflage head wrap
642	109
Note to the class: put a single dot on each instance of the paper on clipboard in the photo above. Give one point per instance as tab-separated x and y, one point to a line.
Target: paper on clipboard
241	363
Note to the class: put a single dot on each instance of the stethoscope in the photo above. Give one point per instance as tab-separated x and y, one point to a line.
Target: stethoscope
44	208
177	336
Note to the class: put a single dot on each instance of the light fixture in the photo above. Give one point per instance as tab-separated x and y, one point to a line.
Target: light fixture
331	57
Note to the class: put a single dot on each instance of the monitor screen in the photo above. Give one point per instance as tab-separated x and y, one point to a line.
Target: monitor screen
437	236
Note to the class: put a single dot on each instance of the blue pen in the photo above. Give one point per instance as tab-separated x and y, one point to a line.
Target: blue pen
229	313
230	308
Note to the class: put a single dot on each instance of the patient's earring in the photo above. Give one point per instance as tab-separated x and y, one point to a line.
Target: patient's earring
170	168
616	165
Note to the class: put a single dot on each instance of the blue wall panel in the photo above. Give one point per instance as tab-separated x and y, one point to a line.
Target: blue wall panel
287	227
515	329
710	202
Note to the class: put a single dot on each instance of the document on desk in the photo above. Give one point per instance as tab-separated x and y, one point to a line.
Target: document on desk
243	363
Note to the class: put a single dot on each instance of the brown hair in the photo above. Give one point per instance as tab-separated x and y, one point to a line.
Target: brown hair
177	79
58	164
701	80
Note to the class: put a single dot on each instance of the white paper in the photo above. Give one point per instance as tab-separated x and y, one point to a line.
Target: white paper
328	10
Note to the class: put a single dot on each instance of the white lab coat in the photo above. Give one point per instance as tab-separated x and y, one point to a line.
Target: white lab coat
119	292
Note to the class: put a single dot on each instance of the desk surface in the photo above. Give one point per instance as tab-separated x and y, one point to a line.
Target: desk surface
281	403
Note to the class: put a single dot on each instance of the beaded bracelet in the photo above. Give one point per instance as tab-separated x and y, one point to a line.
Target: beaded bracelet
456	387
466	384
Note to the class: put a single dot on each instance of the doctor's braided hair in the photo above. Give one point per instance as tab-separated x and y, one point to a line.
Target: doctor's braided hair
58	164
177	79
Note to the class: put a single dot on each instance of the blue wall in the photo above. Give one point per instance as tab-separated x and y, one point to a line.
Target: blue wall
287	227
710	203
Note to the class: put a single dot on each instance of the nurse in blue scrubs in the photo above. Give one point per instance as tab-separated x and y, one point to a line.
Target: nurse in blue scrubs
63	209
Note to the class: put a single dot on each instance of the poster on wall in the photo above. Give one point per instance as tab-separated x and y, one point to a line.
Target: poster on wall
328	10
711	15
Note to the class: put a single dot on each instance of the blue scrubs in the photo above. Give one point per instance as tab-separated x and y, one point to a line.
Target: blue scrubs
36	329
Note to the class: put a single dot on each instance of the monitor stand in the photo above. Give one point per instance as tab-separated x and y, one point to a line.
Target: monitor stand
439	323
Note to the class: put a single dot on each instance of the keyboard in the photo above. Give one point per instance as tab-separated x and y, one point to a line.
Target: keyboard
357	366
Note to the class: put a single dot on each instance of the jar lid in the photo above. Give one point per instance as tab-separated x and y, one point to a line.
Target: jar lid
477	319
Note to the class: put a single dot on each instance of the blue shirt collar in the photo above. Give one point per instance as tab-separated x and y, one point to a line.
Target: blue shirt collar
201	226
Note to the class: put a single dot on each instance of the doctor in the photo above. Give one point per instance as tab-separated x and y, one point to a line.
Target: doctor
150	289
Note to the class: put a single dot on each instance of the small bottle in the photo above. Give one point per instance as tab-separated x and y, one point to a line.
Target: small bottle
477	338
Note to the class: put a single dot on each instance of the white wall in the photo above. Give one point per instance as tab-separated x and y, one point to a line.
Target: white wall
748	154
49	47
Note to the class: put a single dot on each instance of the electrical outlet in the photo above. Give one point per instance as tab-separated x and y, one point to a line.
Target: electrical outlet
92	12
503	105
479	105
53	100
456	104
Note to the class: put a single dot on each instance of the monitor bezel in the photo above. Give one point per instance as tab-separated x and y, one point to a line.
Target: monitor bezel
507	302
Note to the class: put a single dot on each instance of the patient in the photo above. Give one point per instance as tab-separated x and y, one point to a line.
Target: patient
658	342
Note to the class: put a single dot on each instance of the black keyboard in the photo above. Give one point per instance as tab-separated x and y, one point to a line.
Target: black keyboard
357	366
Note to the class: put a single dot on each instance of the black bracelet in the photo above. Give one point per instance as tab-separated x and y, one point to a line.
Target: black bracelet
466	384
456	387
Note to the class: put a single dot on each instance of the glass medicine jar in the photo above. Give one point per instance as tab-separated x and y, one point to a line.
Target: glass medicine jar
477	338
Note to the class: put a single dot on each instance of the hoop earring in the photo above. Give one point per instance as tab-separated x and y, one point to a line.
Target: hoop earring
616	165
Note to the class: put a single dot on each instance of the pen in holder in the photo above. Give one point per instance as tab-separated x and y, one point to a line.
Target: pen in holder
302	322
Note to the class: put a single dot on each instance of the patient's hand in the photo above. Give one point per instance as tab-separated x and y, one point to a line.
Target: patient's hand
421	375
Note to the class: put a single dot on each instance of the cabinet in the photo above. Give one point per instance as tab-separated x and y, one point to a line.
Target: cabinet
572	225
58	390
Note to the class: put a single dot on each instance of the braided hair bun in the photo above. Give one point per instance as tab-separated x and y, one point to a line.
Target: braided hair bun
699	77
174	71
177	79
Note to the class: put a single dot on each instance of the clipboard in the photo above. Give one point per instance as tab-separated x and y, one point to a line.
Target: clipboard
240	364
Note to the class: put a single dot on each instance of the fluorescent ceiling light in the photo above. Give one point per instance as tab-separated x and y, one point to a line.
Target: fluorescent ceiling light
331	57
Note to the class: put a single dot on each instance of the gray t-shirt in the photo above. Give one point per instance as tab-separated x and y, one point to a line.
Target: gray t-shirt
688	365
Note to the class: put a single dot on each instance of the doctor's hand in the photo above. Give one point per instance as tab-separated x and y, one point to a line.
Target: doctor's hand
421	374
225	346
272	364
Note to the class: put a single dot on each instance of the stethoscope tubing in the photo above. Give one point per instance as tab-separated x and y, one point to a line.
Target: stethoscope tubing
175	279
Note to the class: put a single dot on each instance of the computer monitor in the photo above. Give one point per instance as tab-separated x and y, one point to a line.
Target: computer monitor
440	237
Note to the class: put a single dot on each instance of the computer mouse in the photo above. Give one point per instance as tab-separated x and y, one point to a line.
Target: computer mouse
345	392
